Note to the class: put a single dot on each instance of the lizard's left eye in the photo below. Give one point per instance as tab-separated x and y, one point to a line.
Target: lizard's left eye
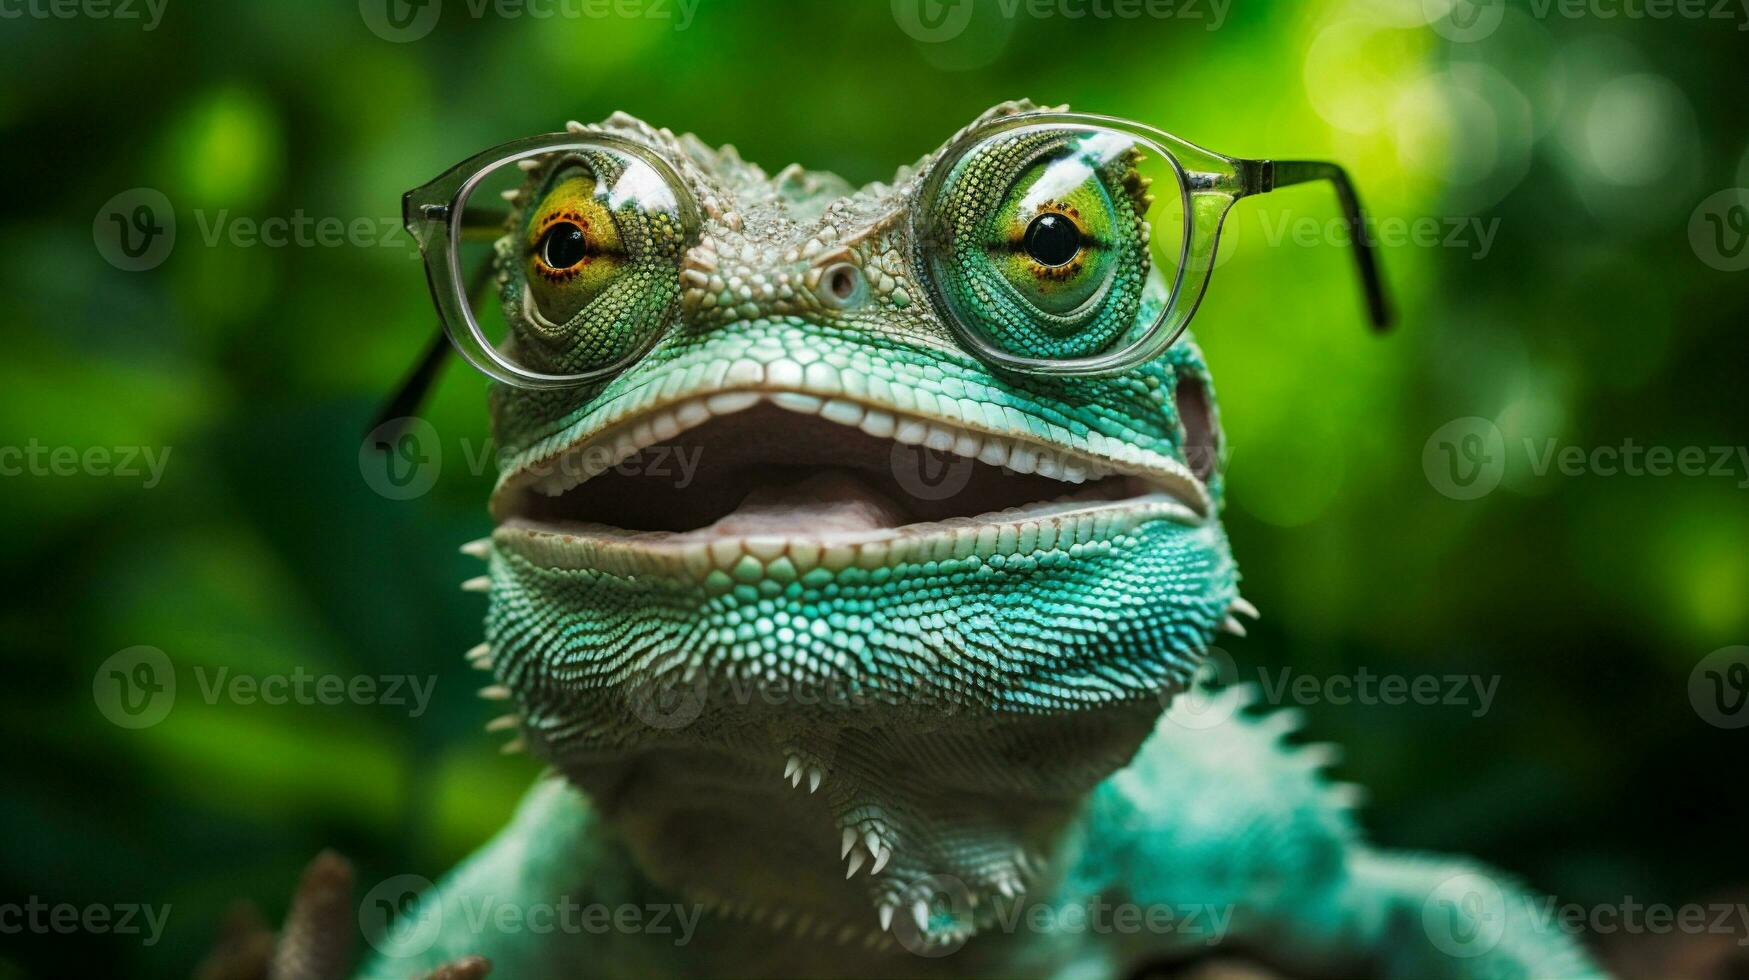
587	256
1036	240
1054	240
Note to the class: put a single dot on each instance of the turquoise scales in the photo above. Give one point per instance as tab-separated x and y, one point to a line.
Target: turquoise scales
861	722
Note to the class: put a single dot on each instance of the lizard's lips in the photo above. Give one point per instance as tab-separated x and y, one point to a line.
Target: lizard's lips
728	472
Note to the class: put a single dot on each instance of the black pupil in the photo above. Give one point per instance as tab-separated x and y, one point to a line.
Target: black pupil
1052	239
563	246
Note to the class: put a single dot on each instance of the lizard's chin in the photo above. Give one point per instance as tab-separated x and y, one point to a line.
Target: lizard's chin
774	473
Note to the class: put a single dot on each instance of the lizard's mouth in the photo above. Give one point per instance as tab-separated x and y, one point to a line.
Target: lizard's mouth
701	595
720	473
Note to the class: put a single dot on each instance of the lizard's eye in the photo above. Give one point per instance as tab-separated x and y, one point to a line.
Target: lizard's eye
1036	239
563	246
1055	251
1054	240
587	259
573	249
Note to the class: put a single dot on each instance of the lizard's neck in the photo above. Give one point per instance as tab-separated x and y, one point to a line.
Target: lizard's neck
934	816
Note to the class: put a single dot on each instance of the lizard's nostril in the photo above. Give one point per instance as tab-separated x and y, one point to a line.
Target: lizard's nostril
842	285
1202	442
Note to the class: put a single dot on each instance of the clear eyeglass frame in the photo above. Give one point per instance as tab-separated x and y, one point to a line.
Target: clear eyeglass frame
440	215
1209	184
437	215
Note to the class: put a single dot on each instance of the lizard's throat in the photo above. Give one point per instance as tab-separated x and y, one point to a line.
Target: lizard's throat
854	828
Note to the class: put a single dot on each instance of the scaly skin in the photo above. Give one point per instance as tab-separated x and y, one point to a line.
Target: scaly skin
964	715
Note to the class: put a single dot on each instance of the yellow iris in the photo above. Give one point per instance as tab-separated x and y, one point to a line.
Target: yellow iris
1078	216
573	248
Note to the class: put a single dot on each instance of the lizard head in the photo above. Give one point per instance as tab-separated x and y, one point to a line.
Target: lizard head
808	586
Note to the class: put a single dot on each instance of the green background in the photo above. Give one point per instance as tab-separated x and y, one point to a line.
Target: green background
1584	143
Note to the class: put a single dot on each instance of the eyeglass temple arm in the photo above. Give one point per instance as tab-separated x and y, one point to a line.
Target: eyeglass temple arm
401	406
1262	176
417	384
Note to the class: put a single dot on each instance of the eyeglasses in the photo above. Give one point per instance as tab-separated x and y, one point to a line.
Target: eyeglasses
1050	243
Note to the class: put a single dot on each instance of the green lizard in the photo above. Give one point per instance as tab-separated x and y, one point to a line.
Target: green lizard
823	709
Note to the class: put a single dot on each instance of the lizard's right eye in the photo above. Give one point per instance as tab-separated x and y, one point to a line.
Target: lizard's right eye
587	258
574	249
562	246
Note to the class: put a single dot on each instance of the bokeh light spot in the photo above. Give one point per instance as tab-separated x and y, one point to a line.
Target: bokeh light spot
1635	127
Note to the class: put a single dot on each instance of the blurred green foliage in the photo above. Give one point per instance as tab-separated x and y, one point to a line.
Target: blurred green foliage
1581	146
